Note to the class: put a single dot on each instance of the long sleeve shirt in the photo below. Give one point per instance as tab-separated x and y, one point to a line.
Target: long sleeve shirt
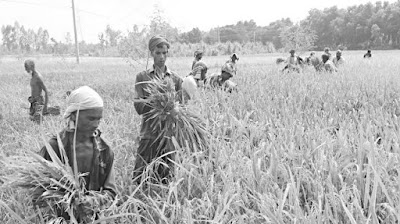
101	176
142	108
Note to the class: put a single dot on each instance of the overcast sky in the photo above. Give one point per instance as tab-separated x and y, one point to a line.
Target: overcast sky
94	15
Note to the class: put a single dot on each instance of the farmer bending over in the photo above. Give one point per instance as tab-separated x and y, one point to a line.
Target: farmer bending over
199	72
38	104
198	55
149	145
368	54
93	155
221	81
232	61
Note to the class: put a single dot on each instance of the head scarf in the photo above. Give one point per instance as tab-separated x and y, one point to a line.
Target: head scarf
83	98
156	40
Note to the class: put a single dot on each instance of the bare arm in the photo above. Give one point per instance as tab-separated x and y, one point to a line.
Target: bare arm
46	96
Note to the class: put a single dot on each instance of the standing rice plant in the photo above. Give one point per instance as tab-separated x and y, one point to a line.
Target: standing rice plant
53	186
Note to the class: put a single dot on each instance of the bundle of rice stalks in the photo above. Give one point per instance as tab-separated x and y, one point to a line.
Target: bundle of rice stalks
54	186
171	118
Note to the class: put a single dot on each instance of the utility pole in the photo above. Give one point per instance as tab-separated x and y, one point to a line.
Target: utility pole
76	35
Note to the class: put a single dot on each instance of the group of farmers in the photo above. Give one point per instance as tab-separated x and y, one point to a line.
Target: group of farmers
327	62
85	110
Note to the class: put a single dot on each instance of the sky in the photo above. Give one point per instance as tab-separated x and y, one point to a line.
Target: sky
92	16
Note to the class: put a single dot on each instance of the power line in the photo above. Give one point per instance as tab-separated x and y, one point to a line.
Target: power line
65	7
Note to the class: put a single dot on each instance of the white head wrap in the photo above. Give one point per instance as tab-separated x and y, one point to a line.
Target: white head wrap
82	98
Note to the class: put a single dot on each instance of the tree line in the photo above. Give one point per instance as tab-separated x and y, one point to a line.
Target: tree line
363	26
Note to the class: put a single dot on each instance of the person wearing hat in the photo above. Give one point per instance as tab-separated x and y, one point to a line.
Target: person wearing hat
338	60
81	137
149	143
368	54
198	55
219	81
232	61
199	72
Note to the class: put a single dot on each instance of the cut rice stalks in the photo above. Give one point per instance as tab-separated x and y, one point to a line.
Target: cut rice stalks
170	117
53	186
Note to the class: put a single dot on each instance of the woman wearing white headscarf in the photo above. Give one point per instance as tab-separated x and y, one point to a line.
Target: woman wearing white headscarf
82	138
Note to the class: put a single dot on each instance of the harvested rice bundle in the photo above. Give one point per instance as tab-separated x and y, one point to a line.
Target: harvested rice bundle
170	118
54	186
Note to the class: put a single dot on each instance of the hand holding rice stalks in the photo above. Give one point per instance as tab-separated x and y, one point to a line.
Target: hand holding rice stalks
54	186
169	117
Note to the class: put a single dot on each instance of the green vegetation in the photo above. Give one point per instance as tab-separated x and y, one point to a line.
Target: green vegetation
288	148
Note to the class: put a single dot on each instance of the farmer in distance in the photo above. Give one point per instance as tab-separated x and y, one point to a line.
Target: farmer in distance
368	54
38	103
221	81
232	61
93	155
198	55
293	62
149	145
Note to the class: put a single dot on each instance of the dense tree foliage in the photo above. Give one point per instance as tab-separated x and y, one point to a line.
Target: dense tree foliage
362	26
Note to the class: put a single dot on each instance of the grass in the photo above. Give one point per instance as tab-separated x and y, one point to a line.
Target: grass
293	148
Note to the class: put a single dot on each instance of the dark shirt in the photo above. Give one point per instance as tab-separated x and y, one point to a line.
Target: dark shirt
325	57
367	55
101	176
142	108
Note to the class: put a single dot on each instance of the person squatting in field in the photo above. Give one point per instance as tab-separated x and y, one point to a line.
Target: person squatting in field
221	81
93	155
368	54
38	103
149	144
338	60
327	64
293	62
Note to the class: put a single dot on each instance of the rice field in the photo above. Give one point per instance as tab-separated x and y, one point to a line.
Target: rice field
287	148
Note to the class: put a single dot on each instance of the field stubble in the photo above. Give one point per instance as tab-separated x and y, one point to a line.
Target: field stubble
288	148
